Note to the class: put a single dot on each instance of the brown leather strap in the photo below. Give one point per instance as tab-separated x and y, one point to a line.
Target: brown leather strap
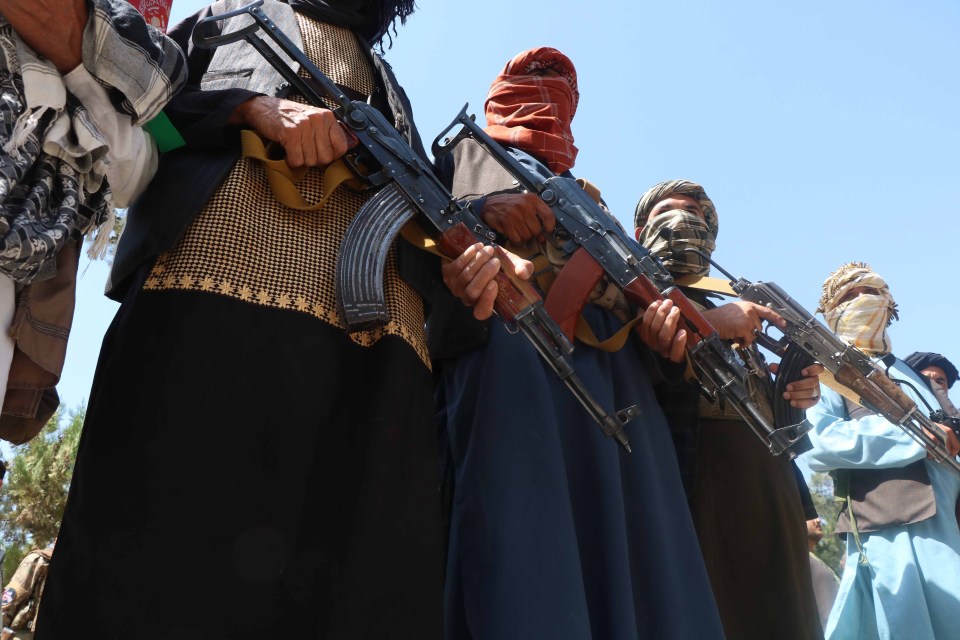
576	283
572	286
571	289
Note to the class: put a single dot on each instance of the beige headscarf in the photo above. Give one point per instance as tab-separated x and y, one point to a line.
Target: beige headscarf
861	322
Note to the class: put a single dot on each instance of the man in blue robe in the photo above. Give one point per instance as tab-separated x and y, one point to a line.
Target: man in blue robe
902	573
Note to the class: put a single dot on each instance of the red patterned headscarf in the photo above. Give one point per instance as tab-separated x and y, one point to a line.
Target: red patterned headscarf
533	112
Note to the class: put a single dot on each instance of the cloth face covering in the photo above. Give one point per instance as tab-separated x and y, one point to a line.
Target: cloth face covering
533	112
663	190
678	229
862	322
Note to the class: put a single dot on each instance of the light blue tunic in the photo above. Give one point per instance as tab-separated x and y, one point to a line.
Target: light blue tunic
909	585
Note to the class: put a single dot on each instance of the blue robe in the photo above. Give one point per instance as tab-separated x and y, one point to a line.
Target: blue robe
556	532
909	584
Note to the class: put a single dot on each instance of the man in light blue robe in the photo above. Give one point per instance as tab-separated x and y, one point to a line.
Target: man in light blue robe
902	573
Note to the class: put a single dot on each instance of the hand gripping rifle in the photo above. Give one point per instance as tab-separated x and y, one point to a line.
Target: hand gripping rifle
598	246
407	186
806	340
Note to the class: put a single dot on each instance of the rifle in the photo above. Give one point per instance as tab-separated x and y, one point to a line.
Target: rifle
947	414
805	340
598	246
406	186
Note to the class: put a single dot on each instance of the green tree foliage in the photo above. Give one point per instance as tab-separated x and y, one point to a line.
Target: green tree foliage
35	490
831	549
13	554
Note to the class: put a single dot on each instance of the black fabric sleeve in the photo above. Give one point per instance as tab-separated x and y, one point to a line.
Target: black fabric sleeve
201	116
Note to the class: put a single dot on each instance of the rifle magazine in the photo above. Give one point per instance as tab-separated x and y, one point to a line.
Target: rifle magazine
363	258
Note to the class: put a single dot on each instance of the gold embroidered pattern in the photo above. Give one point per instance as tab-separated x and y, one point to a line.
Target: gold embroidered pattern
246	245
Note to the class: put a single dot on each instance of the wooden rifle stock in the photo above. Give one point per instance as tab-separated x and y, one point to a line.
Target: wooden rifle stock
882	394
643	292
851	367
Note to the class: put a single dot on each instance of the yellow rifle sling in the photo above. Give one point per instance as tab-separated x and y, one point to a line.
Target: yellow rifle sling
283	179
706	283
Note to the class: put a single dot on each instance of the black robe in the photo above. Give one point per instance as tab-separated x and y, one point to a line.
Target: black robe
246	471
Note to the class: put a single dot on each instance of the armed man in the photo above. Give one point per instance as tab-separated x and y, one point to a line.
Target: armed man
556	531
902	542
934	367
22	595
231	405
745	502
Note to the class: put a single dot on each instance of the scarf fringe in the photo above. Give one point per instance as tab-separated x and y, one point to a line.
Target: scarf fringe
100	244
25	126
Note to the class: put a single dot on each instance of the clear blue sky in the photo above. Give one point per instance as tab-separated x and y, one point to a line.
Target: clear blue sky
825	132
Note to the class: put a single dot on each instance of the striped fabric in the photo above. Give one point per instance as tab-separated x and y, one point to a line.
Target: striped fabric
141	68
670	233
533	112
53	158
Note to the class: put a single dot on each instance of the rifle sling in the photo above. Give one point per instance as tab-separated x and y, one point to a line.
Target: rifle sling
284	180
570	289
705	283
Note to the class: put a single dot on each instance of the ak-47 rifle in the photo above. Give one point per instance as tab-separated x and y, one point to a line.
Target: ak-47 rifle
406	186
805	340
598	246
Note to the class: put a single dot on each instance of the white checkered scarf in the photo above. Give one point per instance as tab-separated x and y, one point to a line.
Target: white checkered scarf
861	322
53	158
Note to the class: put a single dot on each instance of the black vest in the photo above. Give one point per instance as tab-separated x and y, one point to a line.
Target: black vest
881	498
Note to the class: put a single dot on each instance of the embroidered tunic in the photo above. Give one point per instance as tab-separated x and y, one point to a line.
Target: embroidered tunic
246	245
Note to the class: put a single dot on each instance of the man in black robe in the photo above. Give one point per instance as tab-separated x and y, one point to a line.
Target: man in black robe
248	468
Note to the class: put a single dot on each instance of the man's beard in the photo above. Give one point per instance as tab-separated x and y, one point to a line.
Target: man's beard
372	19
